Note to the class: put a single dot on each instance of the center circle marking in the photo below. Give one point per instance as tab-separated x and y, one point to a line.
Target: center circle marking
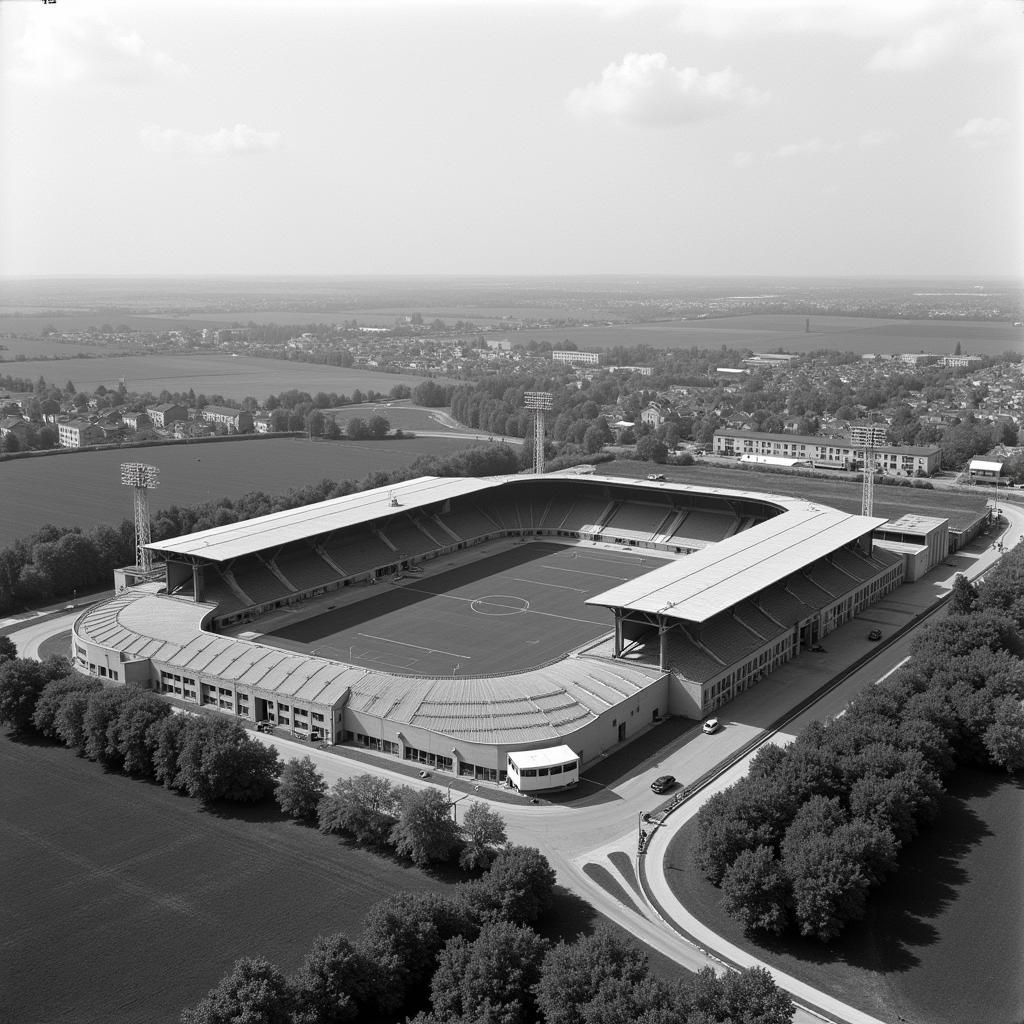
500	604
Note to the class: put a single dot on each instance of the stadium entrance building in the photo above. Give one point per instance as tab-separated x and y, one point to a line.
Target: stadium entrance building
741	582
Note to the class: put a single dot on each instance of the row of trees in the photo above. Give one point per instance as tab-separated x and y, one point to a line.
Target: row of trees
55	561
473	957
209	757
813	827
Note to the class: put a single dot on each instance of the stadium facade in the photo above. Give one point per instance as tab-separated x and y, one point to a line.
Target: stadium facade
748	581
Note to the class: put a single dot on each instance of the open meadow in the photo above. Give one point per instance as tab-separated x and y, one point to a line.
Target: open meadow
214	374
84	488
942	940
766	332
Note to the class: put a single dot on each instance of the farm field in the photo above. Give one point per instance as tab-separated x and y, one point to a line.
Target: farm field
841	493
768	332
206	374
942	940
515	610
85	489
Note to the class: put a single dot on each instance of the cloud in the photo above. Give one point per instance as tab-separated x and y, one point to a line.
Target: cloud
814	147
982	132
742	159
224	142
645	89
954	29
71	49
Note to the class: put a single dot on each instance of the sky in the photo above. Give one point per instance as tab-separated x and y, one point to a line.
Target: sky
352	137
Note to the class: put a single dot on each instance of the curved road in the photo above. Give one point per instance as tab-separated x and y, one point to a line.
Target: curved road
576	834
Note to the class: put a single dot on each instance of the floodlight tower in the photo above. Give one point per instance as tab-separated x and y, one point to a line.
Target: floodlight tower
141	479
866	438
539	401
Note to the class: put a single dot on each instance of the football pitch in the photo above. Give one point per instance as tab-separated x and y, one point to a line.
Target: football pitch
510	612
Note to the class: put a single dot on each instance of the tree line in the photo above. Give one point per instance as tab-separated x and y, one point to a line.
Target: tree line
803	838
55	561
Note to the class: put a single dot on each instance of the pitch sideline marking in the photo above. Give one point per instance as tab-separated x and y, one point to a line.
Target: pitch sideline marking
419	647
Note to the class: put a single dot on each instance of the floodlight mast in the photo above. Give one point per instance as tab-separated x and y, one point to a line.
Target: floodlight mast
866	438
539	401
141	479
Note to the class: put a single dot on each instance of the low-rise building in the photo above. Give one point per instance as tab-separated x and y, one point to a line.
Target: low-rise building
166	413
234	419
833	452
79	433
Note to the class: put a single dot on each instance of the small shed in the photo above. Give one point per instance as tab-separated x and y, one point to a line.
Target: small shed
534	771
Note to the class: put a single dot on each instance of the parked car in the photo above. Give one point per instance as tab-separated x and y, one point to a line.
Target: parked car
655	476
710	726
663	783
266	725
875	634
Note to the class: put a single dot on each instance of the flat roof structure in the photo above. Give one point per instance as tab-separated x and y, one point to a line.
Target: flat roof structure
985	466
913	523
710	581
546	757
223	543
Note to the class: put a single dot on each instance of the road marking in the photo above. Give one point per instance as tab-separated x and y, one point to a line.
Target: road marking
419	647
895	668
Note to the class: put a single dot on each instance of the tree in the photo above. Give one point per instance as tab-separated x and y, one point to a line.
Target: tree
69	721
580	976
336	980
377	427
484	829
1004	738
425	831
129	733
254	992
300	788
489	978
44	717
749	996
101	713
363	807
7	648
10	444
517	888
21	682
356	429
402	936
650	449
219	760
755	891
963	595
165	739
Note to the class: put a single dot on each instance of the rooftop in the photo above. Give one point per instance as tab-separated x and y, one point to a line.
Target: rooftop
710	581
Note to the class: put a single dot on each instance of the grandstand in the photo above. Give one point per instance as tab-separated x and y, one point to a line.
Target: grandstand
549	603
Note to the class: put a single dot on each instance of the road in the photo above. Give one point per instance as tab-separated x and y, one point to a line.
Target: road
586	832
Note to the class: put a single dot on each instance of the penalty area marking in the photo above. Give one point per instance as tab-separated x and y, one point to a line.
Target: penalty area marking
418	647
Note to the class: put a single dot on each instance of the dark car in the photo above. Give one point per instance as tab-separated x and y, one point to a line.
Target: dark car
875	634
266	725
663	783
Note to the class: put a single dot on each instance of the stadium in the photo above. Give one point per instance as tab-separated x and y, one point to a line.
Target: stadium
480	626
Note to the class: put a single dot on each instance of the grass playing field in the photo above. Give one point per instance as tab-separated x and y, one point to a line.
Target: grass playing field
515	610
84	489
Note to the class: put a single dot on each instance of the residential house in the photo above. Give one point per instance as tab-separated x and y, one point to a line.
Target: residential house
79	433
234	419
165	414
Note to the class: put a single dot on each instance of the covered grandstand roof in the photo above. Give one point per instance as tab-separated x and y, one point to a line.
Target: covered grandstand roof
712	580
222	543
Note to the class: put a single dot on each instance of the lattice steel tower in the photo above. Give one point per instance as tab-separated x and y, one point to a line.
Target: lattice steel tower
539	401
866	438
141	479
